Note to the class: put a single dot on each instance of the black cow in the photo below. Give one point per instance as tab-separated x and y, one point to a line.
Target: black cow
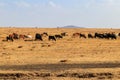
105	36
82	35
51	38
57	36
98	35
113	36
38	37
109	36
9	38
90	36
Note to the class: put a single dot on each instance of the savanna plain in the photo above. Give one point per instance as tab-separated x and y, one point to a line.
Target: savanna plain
68	58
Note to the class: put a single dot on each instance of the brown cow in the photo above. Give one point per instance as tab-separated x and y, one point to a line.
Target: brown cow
119	34
75	35
15	36
22	36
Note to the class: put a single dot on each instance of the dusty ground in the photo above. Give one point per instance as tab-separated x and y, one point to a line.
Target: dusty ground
85	59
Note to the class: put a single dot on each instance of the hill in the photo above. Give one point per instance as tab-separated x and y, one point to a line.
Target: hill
71	26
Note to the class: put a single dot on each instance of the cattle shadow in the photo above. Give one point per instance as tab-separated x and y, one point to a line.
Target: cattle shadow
59	66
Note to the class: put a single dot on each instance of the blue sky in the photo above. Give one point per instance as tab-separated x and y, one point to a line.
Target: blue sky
53	13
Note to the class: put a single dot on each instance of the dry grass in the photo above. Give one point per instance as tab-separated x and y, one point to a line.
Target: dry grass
92	56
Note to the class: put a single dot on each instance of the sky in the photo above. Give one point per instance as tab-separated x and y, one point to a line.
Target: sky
59	13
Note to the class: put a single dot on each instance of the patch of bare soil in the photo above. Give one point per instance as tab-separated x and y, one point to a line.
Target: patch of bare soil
61	71
49	76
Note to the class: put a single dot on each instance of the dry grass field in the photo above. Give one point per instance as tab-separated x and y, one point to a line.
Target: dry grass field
65	59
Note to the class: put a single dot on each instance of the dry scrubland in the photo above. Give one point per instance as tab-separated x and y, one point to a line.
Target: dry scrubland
66	59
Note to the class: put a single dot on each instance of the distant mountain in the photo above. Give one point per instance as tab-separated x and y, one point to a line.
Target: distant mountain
71	26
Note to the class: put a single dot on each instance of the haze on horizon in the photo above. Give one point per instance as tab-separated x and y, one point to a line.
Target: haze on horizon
54	13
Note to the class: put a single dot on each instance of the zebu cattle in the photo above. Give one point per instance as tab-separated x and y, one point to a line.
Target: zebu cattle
38	37
51	38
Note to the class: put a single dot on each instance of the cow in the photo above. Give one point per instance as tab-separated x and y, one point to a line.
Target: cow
57	36
64	34
15	36
44	34
28	36
10	37
98	35
75	35
113	36
119	34
82	35
90	36
109	36
22	36
51	38
38	37
105	35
